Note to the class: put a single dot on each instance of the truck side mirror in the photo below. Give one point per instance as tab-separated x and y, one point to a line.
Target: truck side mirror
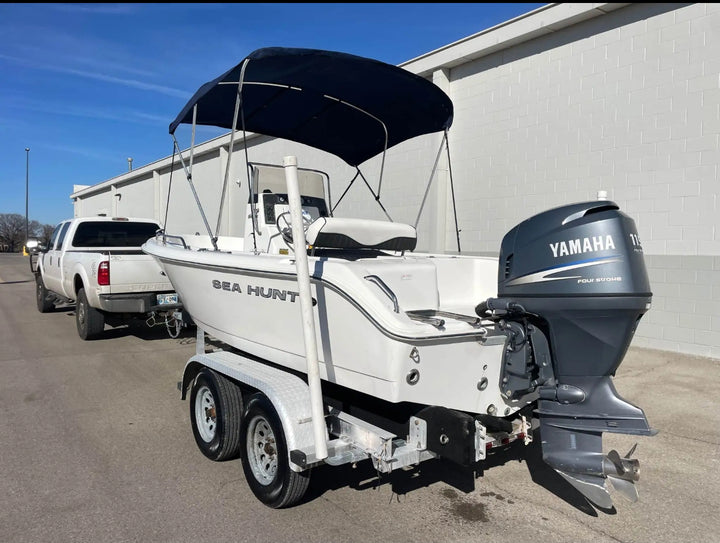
34	246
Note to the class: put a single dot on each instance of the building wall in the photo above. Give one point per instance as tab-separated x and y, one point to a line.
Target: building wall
628	103
558	105
100	203
130	200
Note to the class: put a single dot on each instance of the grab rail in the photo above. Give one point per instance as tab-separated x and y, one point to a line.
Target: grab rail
166	236
472	321
434	321
386	290
433	316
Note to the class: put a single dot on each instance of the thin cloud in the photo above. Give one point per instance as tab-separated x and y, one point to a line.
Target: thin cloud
83	151
101	9
70	110
133	83
151	118
75	51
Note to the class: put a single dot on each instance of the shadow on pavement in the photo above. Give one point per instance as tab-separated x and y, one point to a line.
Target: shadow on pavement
137	328
363	476
545	476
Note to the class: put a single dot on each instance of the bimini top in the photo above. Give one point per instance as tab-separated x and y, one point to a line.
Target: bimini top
350	106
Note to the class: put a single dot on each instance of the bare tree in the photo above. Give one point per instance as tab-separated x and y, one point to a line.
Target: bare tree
12	231
45	234
33	229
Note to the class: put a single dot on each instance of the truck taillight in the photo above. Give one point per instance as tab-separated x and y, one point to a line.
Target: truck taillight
104	273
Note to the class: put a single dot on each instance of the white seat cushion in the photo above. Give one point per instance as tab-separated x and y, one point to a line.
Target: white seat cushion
341	233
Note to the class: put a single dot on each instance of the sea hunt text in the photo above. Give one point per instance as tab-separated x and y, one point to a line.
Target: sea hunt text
273	293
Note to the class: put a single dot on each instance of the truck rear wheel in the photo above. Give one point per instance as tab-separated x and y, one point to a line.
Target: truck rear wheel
215	410
90	322
265	456
44	304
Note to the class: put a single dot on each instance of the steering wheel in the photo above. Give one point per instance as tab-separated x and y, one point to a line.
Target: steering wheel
284	226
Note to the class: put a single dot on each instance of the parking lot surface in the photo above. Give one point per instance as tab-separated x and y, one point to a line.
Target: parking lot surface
96	446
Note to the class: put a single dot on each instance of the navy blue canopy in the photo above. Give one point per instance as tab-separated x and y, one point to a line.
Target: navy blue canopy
315	97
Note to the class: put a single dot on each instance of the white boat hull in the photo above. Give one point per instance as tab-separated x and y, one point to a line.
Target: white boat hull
250	301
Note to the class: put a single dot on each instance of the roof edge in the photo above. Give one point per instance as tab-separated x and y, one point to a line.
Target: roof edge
541	21
223	140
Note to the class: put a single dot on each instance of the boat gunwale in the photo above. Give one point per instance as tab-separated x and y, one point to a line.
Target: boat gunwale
478	335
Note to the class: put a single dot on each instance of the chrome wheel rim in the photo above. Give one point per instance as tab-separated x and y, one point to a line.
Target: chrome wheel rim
81	313
262	450
205	414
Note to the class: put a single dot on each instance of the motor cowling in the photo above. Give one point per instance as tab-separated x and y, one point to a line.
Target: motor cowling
584	249
581	269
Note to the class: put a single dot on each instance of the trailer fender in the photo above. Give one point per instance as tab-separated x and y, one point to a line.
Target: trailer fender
289	394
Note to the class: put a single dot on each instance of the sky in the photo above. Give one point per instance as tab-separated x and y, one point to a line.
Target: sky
85	86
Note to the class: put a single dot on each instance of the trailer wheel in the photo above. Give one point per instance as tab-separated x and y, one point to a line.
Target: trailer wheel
44	304
90	322
265	456
215	411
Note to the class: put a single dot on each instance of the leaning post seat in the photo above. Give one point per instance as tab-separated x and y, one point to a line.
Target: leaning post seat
343	233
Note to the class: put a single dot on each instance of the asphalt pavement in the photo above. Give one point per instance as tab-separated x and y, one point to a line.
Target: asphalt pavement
96	446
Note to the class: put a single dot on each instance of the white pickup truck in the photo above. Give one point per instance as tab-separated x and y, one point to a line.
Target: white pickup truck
97	263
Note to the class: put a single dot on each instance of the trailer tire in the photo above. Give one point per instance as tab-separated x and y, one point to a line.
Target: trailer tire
216	407
265	456
44	304
90	322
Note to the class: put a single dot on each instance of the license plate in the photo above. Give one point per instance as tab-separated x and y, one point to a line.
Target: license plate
163	299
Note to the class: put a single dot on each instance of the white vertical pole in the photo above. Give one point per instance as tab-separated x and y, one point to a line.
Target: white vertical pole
308	319
441	199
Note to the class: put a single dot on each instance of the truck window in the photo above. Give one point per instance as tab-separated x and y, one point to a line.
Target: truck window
113	234
61	237
54	236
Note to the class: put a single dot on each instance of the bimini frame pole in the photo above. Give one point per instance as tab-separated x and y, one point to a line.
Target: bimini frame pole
306	306
452	189
188	175
432	175
238	102
382	163
443	143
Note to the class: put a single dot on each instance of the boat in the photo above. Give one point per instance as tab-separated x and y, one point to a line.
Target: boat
475	343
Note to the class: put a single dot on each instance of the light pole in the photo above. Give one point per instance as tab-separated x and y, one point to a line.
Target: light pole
27	169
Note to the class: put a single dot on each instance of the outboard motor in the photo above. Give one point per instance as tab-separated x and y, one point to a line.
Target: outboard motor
572	287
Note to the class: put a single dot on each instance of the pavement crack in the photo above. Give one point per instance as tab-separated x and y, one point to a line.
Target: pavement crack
689	438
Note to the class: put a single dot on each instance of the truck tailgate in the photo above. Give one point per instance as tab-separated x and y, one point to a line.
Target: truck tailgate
136	272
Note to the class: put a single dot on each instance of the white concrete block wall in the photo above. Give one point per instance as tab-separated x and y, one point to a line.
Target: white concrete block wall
686	297
100	202
131	200
628	103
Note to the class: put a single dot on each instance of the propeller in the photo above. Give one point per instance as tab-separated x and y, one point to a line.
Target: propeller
623	472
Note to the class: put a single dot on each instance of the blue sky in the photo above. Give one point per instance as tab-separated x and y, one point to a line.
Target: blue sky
85	86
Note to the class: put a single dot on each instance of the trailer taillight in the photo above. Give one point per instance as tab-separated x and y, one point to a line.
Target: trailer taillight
104	273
